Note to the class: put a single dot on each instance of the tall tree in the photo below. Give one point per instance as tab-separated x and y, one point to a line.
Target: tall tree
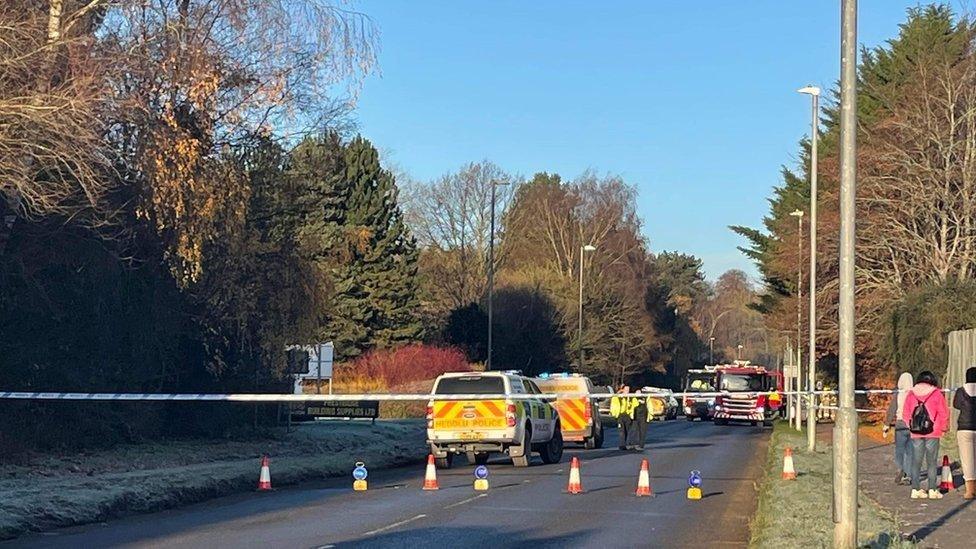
676	288
374	257
917	126
546	228
451	217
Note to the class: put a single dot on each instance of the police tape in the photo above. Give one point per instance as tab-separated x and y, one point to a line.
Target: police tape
858	410
284	397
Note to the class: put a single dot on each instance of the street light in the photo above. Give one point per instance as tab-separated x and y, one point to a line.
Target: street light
738	353
711	351
583	249
798	214
814	93
491	270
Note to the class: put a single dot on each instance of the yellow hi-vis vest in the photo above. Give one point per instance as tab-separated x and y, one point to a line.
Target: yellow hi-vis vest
620	406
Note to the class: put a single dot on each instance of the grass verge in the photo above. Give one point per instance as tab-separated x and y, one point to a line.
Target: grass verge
798	513
50	492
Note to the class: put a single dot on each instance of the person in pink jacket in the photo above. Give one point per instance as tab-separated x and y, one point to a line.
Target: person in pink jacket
925	441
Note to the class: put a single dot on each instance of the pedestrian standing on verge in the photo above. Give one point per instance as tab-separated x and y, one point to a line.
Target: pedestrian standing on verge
642	413
965	402
620	408
903	439
927	417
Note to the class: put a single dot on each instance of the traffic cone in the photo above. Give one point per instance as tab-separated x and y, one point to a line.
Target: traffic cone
264	481
575	486
946	485
644	481
789	473
430	479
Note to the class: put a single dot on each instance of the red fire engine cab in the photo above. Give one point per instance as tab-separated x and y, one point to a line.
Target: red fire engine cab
739	384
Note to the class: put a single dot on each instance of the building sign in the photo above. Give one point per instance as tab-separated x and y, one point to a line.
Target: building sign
357	409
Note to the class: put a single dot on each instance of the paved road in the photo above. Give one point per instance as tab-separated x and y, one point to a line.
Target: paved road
525	507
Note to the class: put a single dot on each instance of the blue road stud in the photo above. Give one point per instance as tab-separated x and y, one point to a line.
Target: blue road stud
481	478
694	485
359	475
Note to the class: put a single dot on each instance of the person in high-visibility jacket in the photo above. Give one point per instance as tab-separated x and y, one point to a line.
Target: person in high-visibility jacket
621	408
640	411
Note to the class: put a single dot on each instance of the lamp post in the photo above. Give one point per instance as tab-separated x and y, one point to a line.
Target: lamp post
711	351
845	429
738	352
491	271
814	93
798	214
579	340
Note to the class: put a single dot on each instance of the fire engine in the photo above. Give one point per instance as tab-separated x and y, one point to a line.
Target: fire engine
739	384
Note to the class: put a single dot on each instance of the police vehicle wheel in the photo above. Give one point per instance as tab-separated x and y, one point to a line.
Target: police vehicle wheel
590	442
595	439
552	452
523	460
444	462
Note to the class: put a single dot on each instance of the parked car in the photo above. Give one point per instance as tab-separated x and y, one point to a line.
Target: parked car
663	404
603	404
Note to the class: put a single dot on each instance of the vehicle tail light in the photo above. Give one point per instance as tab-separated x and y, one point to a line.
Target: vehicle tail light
587	410
510	415
761	401
430	416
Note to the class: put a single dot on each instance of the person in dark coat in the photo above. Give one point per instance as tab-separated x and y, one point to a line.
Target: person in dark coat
642	413
965	402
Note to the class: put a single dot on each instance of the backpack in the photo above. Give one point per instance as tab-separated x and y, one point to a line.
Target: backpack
921	423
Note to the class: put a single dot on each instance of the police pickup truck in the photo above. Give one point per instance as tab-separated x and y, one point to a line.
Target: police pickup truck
478	427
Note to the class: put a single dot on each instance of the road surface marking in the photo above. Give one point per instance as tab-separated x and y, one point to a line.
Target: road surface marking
589	511
463	501
394	525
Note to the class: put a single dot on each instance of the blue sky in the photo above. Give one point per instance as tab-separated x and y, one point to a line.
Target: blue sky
692	102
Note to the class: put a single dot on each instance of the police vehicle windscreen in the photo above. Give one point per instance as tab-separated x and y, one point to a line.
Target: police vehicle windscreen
742	382
470	385
700	383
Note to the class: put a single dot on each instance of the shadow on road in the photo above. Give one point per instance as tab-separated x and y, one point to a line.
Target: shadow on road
688	445
924	531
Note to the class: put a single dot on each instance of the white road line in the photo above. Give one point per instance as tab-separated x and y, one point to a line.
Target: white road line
463	501
394	525
589	511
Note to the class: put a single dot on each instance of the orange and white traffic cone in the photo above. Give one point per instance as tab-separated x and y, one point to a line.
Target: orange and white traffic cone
644	481
430	479
946	485
264	481
789	473
575	485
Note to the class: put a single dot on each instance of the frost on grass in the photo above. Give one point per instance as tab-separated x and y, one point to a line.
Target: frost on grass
51	492
799	513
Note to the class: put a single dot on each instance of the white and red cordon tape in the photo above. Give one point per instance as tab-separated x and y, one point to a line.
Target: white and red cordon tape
282	397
